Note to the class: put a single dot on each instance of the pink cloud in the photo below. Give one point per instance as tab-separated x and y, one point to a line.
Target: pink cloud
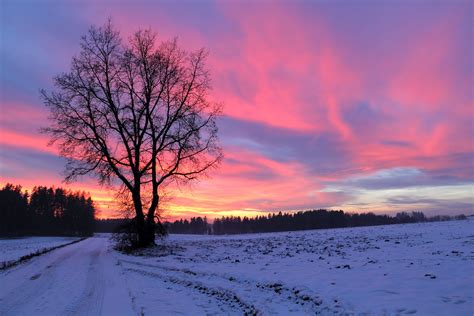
390	105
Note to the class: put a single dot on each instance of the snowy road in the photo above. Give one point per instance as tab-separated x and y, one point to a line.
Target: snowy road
70	280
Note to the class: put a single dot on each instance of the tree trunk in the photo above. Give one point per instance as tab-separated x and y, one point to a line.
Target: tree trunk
146	235
145	229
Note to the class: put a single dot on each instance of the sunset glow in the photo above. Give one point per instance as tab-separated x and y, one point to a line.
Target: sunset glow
326	105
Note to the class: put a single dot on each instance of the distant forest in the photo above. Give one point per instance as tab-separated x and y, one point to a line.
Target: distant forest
305	220
197	225
314	219
45	212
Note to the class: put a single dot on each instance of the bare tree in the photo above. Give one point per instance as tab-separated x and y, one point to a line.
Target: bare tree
135	114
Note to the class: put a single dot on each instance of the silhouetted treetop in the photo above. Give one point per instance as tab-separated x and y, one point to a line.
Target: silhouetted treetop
47	211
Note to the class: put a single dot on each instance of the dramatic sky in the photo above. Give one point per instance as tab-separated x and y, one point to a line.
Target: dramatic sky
354	105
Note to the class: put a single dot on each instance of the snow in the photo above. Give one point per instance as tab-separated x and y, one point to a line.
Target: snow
424	269
13	249
80	279
421	269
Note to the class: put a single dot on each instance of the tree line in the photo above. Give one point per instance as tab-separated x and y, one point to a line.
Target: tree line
196	225
109	225
303	220
45	211
57	211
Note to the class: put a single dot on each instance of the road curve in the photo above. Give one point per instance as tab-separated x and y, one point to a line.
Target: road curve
80	279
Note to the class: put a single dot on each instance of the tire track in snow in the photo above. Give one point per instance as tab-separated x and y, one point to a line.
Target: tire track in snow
302	299
31	287
79	279
91	299
223	296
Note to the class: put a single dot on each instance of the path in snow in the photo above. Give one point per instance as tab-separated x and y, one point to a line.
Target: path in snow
81	279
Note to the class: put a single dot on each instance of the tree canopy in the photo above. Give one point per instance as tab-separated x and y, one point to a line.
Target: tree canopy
135	113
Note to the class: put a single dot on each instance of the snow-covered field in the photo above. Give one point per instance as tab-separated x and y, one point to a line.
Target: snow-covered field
14	248
422	269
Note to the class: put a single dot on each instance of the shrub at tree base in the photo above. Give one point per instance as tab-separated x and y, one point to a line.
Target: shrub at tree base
127	237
